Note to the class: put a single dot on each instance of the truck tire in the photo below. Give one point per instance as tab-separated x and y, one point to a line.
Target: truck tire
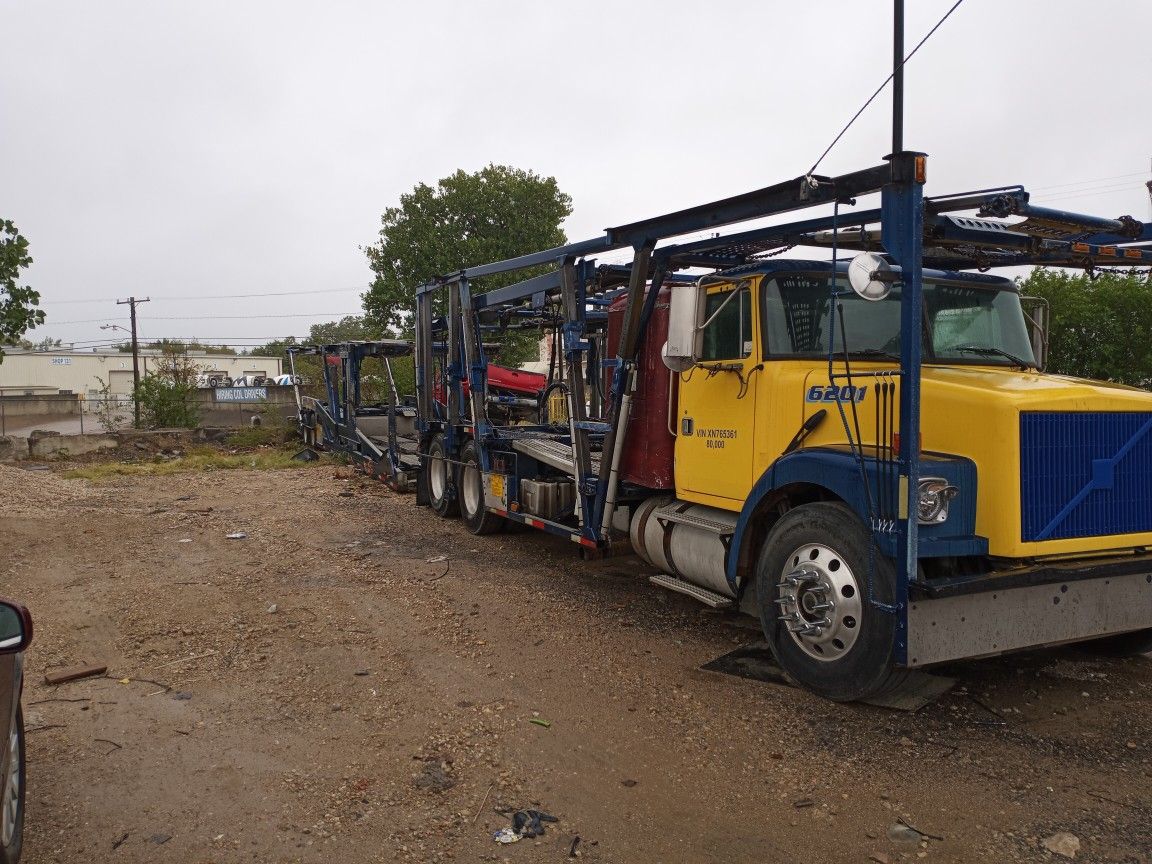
441	494
15	791
812	588
1122	645
470	483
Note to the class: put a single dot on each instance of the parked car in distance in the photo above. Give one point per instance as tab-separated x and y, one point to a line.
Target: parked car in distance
213	379
15	636
251	381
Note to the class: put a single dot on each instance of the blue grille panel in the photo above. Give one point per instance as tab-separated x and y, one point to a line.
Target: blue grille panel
1085	474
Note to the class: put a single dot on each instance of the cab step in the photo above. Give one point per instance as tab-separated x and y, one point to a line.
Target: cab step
715	526
708	598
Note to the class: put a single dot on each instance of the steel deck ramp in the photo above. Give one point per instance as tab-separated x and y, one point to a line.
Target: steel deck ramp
553	453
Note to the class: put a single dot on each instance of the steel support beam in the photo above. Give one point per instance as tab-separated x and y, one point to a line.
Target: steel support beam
621	378
903	234
577	400
779	198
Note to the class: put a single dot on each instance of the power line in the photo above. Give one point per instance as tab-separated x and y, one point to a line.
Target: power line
880	89
1103	193
255	340
247	317
268	294
328	315
1080	182
225	296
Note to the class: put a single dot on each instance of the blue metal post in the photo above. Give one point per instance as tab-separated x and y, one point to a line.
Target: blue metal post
475	365
335	406
902	202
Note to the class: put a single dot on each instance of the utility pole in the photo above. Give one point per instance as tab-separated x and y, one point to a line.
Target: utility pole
131	302
1149	185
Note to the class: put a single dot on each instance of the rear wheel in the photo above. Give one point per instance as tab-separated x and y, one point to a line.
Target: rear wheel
471	485
812	585
441	494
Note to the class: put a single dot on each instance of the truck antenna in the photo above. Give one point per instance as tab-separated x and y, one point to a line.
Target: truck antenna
897	76
899	64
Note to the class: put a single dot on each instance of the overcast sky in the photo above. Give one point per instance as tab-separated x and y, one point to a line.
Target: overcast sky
218	149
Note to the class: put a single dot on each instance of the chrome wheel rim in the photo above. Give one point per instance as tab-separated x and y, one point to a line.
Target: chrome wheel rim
439	473
11	803
471	489
819	602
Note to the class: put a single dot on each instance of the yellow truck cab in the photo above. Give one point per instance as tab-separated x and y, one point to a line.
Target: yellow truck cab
1034	488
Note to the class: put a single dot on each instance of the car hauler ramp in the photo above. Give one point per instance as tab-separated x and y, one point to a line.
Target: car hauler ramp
553	452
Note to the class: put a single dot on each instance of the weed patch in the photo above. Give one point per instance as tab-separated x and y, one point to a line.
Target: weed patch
199	459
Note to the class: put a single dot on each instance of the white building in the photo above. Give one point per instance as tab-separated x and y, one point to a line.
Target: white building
36	373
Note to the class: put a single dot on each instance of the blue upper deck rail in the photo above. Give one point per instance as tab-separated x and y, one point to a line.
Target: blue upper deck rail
1045	236
783	197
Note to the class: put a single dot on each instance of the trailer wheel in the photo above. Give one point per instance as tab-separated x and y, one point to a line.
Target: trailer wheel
812	586
441	495
470	482
1122	645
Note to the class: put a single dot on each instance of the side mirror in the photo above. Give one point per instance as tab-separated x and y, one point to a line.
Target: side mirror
679	352
871	276
1036	315
15	627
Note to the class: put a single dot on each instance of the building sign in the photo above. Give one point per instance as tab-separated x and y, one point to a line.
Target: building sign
61	361
241	394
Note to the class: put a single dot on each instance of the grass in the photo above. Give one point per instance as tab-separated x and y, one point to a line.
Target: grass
197	459
255	436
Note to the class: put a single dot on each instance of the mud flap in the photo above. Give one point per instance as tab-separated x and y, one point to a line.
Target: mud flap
422	497
755	662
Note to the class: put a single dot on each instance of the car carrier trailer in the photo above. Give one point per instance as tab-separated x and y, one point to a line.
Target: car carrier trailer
864	452
380	436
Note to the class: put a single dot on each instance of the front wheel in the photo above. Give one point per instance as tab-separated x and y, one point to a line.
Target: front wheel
12	803
471	485
812	584
441	495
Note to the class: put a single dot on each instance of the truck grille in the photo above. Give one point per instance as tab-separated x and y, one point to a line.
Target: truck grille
1085	474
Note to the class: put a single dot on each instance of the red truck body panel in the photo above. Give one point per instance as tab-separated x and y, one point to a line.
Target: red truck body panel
502	378
649	449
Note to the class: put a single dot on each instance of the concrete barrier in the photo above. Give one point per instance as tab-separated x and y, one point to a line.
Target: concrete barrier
48	444
13	447
56	405
45	445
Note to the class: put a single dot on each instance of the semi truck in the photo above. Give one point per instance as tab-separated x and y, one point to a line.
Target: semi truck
858	445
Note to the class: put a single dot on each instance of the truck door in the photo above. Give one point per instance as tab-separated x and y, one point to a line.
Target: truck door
717	403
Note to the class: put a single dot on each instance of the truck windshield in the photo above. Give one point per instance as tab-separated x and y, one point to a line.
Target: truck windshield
963	324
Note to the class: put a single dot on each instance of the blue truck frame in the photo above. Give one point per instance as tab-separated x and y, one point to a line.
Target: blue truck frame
915	232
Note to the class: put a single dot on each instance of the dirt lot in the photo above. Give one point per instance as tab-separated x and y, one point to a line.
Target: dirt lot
319	691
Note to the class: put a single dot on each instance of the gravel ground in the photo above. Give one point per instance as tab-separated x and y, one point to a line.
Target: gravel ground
320	691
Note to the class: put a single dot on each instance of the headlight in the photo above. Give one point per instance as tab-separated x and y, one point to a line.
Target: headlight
935	496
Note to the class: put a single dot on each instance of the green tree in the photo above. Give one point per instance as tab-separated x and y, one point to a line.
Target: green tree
275	348
177	346
1100	328
45	344
18	302
463	221
167	396
350	328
